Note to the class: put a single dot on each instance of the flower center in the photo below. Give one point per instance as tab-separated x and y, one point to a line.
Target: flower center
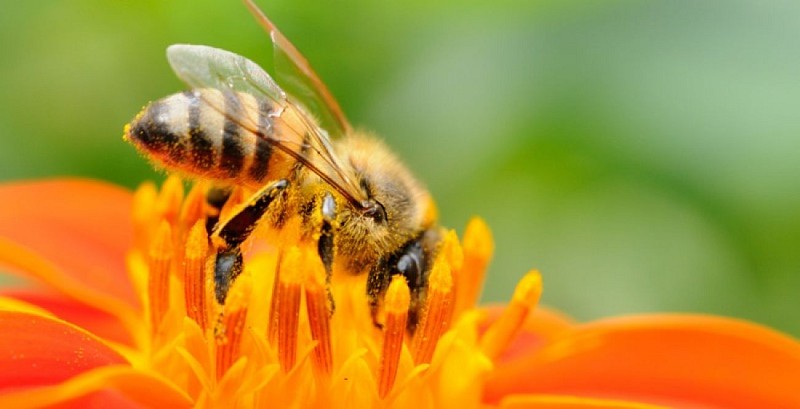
277	340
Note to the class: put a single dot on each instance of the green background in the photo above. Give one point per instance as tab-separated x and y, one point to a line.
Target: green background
642	155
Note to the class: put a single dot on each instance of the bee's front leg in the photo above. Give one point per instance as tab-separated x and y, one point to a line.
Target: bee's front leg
413	262
325	244
409	262
231	232
325	247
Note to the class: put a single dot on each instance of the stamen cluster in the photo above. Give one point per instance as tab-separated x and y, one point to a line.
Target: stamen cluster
277	342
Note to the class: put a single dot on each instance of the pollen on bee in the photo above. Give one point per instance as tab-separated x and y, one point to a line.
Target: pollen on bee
126	130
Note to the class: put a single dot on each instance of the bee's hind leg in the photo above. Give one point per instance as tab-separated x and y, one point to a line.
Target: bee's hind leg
231	232
215	199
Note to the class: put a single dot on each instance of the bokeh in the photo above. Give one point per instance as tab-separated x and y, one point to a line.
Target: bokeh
645	156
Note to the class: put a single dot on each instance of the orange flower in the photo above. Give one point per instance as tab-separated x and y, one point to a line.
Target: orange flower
109	313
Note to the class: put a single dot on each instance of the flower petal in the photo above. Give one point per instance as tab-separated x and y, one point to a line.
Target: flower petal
9	303
542	326
107	387
567	402
94	400
36	350
661	359
80	226
98	322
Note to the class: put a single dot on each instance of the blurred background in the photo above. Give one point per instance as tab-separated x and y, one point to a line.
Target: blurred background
642	155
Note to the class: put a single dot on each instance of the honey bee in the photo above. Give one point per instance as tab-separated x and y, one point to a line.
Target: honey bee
237	127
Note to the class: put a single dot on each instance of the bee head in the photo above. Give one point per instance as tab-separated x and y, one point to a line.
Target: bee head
395	206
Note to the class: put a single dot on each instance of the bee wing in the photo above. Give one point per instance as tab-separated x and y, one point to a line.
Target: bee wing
201	66
207	67
300	79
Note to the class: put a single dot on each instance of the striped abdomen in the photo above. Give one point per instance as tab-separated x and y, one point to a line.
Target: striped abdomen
215	135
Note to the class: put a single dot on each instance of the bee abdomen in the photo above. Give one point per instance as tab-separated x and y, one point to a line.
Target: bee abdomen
211	134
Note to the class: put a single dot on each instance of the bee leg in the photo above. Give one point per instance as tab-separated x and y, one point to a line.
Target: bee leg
325	246
216	198
230	233
377	282
411	262
227	266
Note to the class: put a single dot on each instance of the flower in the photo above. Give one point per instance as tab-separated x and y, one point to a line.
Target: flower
109	313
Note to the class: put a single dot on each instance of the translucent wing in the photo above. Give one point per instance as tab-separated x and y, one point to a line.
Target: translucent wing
207	67
300	79
201	66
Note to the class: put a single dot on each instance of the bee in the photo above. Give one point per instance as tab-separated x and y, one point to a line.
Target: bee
237	127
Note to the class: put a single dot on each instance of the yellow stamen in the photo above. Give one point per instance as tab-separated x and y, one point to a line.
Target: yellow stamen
451	251
194	275
170	199
318	314
396	303
231	326
500	334
240	352
436	316
478	249
287	304
194	206
452	254
158	278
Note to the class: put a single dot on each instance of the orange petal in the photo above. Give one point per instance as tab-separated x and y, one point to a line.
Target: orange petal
98	322
106	387
36	350
542	327
80	226
661	359
95	400
567	402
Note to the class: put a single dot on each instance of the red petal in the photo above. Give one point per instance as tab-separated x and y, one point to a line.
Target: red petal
664	359
98	322
82	227
36	350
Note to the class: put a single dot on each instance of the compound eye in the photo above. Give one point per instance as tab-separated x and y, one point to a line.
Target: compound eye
374	210
410	267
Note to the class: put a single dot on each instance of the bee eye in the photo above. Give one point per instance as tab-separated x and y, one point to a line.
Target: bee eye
374	210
